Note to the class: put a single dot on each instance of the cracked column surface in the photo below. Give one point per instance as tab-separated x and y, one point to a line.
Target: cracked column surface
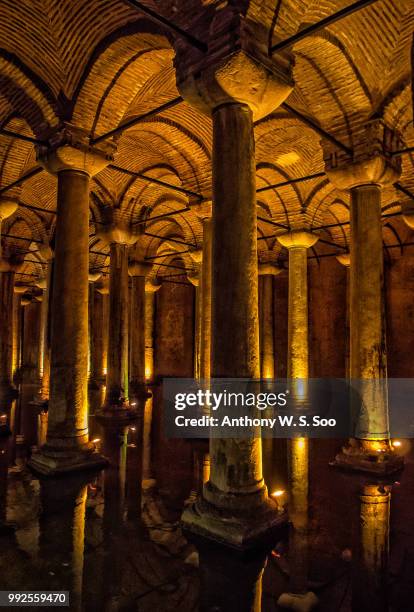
371	169
235	90
67	445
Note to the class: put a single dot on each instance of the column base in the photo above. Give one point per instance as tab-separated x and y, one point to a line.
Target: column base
52	462
303	602
373	457
238	531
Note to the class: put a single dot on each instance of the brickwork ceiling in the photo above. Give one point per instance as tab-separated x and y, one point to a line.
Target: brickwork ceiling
100	64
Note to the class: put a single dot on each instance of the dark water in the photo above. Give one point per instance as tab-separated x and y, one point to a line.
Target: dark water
113	539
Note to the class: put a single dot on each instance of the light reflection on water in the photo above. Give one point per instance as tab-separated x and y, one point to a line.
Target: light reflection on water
113	539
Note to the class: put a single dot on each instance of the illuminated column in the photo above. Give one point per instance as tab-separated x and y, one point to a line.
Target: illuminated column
298	597
151	286
297	243
345	260
67	446
235	90
138	390
266	335
62	535
97	325
8	267
370	565
203	212
372	168
7	207
194	278
30	379
44	345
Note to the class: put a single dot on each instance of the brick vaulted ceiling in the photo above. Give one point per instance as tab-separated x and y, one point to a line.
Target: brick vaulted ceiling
100	63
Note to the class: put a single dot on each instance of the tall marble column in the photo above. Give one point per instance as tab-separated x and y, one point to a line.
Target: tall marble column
194	278
266	323
234	89
151	287
8	393
203	211
29	371
117	404
138	391
67	445
97	324
364	176
298	596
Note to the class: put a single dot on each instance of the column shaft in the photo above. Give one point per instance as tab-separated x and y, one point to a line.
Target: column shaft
298	358
149	335
267	356
367	325
68	426
97	325
236	465
205	306
117	374
137	336
6	329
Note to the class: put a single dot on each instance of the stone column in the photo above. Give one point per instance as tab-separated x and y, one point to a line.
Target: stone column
370	169
67	446
370	563
234	89
266	336
30	379
97	324
8	206
345	260
203	211
138	390
151	286
194	278
298	243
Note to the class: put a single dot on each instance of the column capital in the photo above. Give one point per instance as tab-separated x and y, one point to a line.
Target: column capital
139	268
235	69
69	148
344	259
94	276
116	228
7	207
269	269
298	239
371	162
194	277
151	285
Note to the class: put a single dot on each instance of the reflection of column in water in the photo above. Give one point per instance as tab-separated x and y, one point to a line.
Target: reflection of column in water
114	449
229	581
146	440
61	535
369	585
201	469
298	596
134	471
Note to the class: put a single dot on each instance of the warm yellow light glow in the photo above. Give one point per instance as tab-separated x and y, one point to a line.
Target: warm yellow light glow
104	371
148	373
396	443
301	443
96	440
278	493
